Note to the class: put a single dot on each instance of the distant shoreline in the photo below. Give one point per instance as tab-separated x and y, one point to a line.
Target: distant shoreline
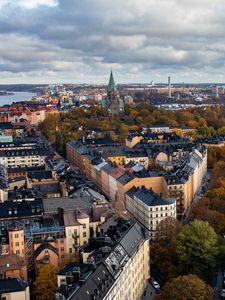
6	93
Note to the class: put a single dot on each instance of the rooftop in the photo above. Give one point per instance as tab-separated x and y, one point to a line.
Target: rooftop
149	197
111	253
12	285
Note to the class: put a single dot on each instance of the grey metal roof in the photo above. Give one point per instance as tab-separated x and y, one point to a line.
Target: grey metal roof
149	197
12	285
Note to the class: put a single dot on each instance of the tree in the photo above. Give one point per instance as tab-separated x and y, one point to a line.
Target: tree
197	248
46	282
215	218
188	287
163	250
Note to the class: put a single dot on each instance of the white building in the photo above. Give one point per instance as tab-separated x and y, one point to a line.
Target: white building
150	209
14	158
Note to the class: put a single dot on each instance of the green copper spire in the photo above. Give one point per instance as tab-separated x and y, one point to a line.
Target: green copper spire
111	86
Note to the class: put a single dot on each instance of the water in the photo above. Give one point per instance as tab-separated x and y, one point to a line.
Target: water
18	96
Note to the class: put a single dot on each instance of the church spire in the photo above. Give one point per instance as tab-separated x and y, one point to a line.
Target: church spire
111	86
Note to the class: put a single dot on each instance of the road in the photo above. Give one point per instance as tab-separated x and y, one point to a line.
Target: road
198	195
149	293
218	286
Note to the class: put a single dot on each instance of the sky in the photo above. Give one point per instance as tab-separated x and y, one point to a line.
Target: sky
77	41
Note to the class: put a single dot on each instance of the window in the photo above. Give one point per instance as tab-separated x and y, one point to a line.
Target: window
62	249
16	235
17	244
17	251
61	241
84	234
70	250
84	226
62	256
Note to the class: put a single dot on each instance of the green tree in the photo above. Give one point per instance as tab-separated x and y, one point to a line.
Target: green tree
188	287
46	282
215	218
197	248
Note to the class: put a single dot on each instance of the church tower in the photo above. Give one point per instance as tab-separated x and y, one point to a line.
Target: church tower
113	103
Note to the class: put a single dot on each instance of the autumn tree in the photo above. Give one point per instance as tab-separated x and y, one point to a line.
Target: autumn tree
215	218
163	250
188	287
46	282
197	248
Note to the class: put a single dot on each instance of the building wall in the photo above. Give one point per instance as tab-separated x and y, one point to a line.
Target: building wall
3	195
88	167
150	216
142	161
53	258
119	160
75	158
60	245
84	230
23	295
154	183
17	184
112	188
133	141
70	241
132	282
17	273
22	161
105	182
16	242
81	232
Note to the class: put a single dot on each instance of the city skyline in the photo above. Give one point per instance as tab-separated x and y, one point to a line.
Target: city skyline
50	41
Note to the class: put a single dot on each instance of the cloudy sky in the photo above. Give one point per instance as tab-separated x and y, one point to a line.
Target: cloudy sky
52	41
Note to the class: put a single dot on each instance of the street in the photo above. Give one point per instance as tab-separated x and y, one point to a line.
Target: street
218	286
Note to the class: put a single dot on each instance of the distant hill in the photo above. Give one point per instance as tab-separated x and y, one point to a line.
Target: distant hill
32	88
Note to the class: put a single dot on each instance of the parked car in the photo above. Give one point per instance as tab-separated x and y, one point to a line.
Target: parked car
155	284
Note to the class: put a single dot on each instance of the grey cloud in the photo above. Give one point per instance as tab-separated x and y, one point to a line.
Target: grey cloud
83	38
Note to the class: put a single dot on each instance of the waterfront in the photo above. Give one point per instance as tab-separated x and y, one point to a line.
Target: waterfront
17	96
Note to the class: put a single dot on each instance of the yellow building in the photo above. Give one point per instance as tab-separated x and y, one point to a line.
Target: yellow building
121	273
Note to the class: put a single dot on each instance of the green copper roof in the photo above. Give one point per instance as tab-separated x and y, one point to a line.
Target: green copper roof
111	86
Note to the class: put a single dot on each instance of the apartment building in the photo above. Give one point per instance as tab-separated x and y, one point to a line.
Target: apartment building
121	272
22	158
181	167
20	154
151	136
150	209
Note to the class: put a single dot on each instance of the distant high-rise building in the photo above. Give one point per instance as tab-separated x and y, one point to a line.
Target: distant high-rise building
113	103
169	87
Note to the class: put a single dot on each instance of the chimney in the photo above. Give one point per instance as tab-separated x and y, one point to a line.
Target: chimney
169	87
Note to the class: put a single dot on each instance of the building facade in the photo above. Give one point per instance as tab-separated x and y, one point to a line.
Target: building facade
150	209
